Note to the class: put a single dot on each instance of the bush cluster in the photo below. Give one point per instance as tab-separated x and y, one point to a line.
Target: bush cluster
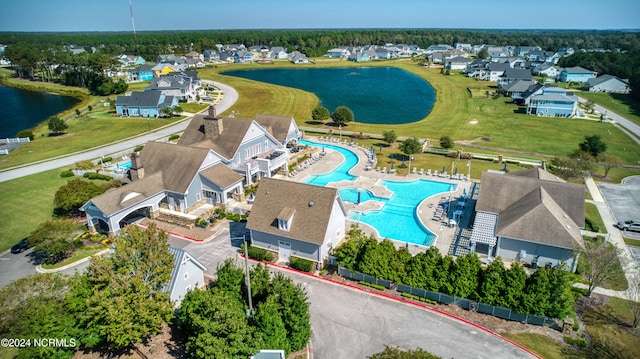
579	342
67	173
93	176
173	137
301	264
259	254
107	159
546	292
138	149
590	225
422	299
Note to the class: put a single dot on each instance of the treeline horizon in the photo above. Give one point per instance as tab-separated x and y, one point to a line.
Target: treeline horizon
316	42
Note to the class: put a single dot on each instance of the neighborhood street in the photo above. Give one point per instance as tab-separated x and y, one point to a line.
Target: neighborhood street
230	97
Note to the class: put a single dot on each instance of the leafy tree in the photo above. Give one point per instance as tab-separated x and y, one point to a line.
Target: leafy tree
167	111
601	259
483	54
608	161
410	146
536	295
230	277
270	324
260	282
593	145
589	105
465	276
579	164
178	109
342	115
90	108
26	134
420	271
493	285
128	301
215	325
377	260
320	113
446	142
560	295
442	275
78	112
56	124
516	280
120	87
53	239
397	353
71	196
296	316
389	137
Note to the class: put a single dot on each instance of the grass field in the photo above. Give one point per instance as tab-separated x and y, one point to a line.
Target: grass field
28	202
591	212
456	113
623	105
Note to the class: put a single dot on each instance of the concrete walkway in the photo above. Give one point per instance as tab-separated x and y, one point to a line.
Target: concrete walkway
230	97
614	236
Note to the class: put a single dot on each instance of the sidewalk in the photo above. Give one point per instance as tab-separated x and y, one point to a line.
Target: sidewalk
627	260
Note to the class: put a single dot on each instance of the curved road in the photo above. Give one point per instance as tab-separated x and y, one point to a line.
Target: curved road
229	98
628	127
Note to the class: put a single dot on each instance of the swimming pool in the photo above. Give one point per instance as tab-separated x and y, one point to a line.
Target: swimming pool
398	217
341	173
123	165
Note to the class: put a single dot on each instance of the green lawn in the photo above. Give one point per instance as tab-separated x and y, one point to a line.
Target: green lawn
456	113
28	202
623	105
544	346
591	212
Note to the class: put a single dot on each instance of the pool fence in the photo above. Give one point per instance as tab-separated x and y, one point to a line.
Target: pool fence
464	303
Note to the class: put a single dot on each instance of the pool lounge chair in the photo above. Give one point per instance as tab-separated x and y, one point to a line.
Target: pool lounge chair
384	170
421	171
435	173
414	170
429	172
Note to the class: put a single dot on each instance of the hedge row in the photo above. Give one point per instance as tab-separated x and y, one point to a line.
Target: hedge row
93	175
301	264
422	299
259	254
374	286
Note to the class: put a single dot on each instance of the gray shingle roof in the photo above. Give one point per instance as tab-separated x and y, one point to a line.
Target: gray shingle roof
277	126
117	199
578	70
523	74
222	175
142	99
312	206
534	206
225	144
604	78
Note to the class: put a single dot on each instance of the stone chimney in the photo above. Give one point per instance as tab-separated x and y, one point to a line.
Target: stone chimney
212	123
136	171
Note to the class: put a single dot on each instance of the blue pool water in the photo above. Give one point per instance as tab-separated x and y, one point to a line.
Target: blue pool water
124	165
340	173
398	217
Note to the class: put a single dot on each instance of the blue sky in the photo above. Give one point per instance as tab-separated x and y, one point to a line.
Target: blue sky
113	15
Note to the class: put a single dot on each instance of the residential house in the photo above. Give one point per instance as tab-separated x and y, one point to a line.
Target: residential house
511	75
497	51
242	57
227	56
525	50
194	59
608	83
278	53
144	104
529	216
338	52
553	102
177	61
547	70
576	74
187	274
438	48
385	53
463	47
164	69
131	60
535	89
166	180
140	73
211	55
298	57
516	89
255	148
178	84
494	71
297	219
362	55
457	63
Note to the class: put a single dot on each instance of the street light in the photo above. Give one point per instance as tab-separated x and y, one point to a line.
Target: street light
441	238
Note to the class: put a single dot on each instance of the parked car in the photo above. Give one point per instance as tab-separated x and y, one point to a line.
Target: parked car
629	225
20	247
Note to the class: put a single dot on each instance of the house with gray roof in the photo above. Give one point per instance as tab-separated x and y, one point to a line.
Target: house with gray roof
165	179
144	104
183	85
297	219
187	274
552	102
512	75
298	57
576	74
494	70
516	89
457	63
255	148
608	83
529	216
278	53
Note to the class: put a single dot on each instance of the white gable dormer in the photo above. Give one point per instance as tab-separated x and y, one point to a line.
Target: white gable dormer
285	219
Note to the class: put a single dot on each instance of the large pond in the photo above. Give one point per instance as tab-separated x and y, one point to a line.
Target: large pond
382	95
22	109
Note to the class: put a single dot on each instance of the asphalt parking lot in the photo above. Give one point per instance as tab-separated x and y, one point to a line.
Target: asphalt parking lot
624	198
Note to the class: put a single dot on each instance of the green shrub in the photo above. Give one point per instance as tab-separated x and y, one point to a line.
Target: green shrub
138	149
93	176
301	264
269	257
374	286
25	134
590	225
258	254
579	342
235	217
202	223
68	173
173	137
107	159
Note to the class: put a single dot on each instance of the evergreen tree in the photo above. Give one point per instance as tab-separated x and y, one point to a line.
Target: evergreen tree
269	323
295	314
515	279
493	286
465	275
536	299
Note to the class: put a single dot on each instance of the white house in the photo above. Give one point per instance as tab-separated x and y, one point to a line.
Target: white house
608	83
297	219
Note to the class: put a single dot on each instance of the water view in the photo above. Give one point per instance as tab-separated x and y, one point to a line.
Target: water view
22	109
381	95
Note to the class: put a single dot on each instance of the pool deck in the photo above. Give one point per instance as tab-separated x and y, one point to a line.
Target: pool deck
370	179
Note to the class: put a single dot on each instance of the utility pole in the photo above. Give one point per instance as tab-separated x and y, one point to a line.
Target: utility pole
247	277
